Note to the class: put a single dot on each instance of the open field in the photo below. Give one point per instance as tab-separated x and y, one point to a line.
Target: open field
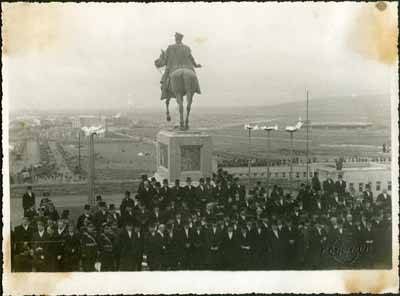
128	158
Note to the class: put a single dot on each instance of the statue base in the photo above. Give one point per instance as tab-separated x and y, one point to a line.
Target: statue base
182	154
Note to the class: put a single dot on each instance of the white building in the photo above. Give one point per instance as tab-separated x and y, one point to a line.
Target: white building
378	175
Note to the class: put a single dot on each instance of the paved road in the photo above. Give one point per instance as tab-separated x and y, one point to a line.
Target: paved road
61	165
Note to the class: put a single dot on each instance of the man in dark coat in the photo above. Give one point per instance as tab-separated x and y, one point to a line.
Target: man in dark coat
129	249
202	195
21	246
276	242
71	250
199	245
384	200
230	249
260	246
177	193
126	201
213	247
100	217
165	191
41	257
89	248
186	246
340	186
317	244
153	248
28	201
85	216
173	252
145	196
245	248
328	186
290	237
367	194
128	216
107	248
315	183
190	193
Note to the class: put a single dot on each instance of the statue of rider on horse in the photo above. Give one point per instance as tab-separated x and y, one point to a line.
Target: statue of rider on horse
179	78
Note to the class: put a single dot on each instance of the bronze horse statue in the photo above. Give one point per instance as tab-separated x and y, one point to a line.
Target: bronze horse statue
178	81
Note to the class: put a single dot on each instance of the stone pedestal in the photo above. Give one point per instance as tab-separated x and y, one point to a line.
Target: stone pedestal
182	154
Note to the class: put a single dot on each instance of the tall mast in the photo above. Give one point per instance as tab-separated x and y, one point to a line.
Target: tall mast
307	137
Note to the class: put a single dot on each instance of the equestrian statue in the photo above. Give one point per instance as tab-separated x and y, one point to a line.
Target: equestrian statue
179	78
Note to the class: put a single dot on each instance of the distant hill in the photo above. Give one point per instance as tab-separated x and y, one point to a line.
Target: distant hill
373	109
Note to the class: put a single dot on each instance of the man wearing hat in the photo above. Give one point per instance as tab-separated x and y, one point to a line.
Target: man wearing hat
127	251
107	248
40	246
89	248
199	240
340	186
21	248
245	248
165	191
190	193
172	253
113	216
28	201
177	56
127	200
71	250
213	245
153	248
230	249
185	238
100	216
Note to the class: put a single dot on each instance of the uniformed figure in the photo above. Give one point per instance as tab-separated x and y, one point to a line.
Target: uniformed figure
72	250
107	248
89	248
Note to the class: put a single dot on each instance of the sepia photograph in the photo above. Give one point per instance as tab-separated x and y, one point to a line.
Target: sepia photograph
209	142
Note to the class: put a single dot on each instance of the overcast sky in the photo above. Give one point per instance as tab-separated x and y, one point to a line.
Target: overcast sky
83	55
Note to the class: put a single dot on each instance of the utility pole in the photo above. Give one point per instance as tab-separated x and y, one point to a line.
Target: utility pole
79	151
307	144
291	163
249	162
91	173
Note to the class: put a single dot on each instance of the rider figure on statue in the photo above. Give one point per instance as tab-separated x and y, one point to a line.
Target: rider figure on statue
179	78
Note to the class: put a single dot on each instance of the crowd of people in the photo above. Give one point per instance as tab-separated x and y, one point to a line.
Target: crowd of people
214	225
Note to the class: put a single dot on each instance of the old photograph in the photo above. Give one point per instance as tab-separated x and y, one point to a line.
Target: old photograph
165	138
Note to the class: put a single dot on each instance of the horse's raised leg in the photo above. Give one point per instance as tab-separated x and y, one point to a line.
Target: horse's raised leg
179	100
167	106
189	100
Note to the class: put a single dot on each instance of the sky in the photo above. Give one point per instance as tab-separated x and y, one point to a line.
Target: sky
101	55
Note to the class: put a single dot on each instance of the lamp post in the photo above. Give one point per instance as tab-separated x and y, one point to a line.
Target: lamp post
91	172
269	129
79	151
307	143
291	130
249	128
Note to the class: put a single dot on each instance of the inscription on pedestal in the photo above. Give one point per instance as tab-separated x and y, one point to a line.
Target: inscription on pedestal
183	154
190	158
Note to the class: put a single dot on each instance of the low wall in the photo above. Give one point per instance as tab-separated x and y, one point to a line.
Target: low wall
78	188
